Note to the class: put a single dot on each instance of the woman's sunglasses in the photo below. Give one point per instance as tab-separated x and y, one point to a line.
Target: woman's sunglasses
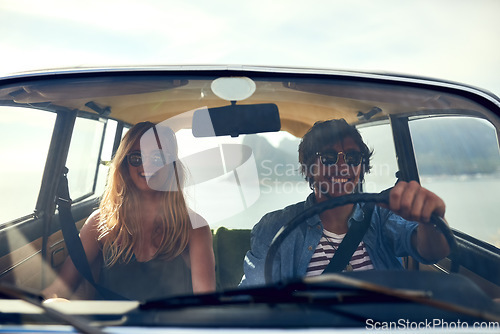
330	158
157	159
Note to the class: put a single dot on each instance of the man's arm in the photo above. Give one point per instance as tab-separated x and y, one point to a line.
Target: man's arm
416	203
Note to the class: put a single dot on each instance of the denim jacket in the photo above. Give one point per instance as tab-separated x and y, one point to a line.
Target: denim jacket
388	238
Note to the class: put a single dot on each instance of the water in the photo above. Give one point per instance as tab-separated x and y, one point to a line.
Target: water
473	204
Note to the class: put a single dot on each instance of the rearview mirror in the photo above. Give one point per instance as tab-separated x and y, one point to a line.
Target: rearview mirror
234	120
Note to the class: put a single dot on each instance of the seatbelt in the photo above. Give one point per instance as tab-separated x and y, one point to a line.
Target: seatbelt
72	239
351	241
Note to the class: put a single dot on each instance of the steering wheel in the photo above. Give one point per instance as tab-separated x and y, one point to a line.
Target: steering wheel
382	197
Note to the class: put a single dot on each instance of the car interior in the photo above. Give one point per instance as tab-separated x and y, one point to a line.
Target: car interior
238	132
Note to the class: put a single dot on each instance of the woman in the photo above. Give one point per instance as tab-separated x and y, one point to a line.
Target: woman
150	243
333	160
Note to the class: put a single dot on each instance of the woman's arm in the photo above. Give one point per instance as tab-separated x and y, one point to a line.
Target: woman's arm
68	277
201	255
413	202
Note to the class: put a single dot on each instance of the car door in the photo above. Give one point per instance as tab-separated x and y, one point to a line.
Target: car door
32	248
458	158
22	217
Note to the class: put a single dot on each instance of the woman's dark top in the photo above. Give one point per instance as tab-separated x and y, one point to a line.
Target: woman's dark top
149	280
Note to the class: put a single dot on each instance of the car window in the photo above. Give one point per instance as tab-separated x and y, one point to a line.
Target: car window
83	157
260	175
277	181
26	135
109	137
384	165
458	158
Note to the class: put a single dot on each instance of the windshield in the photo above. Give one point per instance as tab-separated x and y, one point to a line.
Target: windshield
150	185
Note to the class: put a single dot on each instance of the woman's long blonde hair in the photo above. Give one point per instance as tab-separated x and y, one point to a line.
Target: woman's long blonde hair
120	210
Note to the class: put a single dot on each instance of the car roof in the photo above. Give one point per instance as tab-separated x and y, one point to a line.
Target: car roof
303	95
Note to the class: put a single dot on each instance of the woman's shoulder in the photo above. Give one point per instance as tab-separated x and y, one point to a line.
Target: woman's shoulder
200	230
94	218
92	223
91	227
196	219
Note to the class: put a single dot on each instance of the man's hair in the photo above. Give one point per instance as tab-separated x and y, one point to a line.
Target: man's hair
326	133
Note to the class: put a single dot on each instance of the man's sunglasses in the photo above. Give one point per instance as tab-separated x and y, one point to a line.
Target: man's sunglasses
330	158
157	159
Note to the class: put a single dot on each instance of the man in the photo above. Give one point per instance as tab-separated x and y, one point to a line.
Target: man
333	159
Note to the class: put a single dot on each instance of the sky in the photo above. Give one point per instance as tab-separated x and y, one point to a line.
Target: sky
455	40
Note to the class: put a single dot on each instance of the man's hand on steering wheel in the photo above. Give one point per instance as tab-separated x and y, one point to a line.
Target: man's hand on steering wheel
413	202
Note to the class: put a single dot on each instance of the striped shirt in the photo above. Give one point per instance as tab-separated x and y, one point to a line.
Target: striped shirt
325	250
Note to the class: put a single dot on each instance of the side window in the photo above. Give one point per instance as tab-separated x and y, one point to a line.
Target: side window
86	159
458	159
383	162
106	155
25	140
